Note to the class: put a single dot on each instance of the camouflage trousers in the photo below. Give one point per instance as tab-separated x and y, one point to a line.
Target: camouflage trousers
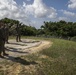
2	48
18	38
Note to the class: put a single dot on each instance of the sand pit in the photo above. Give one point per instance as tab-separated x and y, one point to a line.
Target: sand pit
27	46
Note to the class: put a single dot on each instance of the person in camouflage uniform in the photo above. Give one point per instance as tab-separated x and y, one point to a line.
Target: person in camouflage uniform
6	33
18	33
2	40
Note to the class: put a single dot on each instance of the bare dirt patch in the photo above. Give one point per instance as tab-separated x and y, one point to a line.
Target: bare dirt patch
25	47
14	64
43	45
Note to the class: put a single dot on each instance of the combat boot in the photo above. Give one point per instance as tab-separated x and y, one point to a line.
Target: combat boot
1	56
5	54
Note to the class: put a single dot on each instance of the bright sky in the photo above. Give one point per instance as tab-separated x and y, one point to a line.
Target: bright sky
35	12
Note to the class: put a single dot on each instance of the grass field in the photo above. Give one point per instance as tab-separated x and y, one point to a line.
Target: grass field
59	59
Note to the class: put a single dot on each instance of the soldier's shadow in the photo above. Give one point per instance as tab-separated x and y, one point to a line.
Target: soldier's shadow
24	44
14	50
20	60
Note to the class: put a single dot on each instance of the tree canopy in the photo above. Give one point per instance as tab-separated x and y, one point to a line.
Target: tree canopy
58	29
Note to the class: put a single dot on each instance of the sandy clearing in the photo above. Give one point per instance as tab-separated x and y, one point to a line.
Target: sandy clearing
21	49
43	45
28	46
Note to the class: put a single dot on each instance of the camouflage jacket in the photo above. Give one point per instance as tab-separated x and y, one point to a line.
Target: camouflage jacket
2	34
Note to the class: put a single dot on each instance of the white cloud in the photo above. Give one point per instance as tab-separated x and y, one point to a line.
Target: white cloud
72	4
40	10
68	13
63	18
10	9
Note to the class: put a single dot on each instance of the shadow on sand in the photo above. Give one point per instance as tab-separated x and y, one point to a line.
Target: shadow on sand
20	60
14	50
18	44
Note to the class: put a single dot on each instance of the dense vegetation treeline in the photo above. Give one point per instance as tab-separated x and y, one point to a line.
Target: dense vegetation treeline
25	30
60	29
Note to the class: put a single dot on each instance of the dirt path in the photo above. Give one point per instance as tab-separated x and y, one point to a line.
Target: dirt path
27	46
15	64
43	45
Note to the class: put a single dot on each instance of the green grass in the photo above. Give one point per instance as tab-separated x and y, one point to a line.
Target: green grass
60	59
63	55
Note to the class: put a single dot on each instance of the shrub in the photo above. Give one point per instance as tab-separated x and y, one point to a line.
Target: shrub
73	38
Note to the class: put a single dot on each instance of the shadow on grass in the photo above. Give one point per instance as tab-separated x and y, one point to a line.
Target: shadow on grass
20	60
